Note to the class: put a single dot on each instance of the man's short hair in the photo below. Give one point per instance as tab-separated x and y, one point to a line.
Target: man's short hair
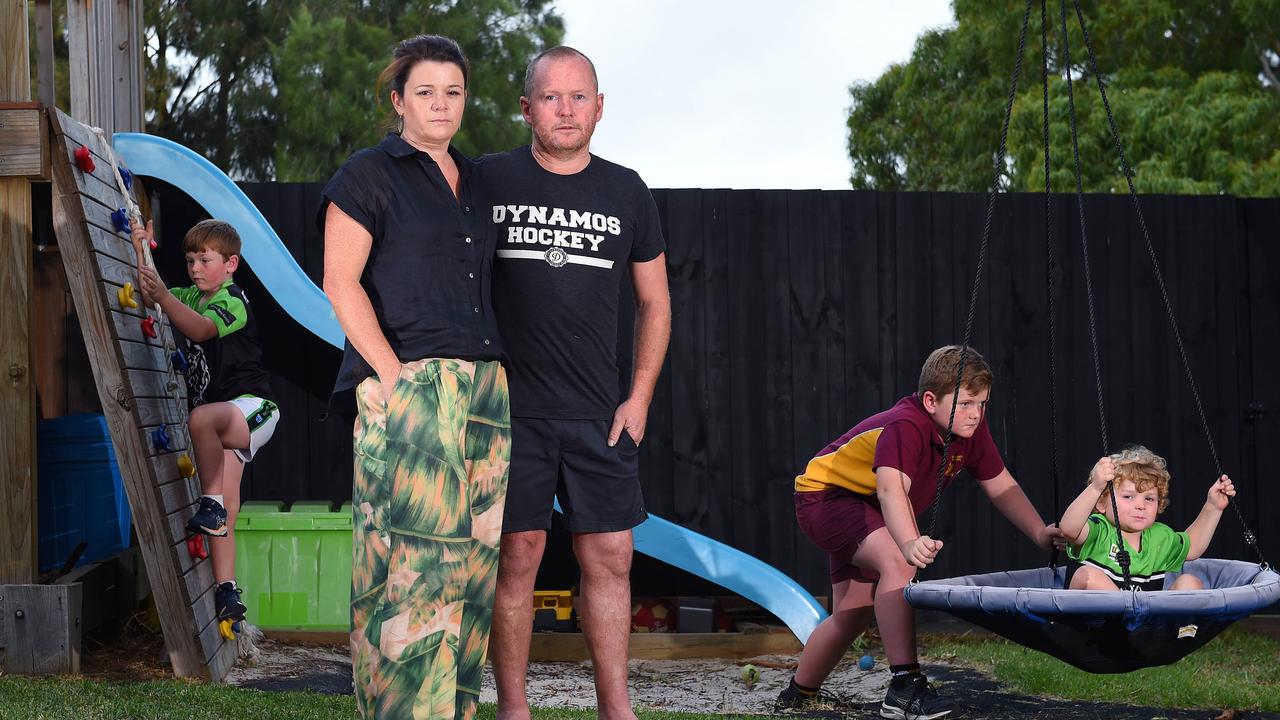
556	53
939	372
216	235
1145	469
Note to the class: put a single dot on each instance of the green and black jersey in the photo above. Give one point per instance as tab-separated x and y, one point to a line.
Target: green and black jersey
229	365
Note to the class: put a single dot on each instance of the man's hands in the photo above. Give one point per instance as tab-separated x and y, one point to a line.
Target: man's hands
1221	493
631	416
920	551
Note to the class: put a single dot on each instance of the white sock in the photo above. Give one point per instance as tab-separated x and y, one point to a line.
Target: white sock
217	498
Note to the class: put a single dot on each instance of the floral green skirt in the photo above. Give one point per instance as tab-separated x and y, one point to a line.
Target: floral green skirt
430	484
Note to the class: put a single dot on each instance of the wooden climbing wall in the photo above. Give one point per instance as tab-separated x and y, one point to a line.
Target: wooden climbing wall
140	393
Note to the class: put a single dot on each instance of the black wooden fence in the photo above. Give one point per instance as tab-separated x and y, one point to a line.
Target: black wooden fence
798	313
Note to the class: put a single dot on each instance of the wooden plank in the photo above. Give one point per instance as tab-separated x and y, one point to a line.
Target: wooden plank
572	647
17	385
41	624
23	144
783	459
126	65
124	418
687	488
44	53
722	482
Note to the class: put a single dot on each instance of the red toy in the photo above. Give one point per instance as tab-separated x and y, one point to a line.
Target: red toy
149	327
196	547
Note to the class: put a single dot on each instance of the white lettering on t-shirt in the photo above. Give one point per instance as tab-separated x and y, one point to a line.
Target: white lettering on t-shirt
518	232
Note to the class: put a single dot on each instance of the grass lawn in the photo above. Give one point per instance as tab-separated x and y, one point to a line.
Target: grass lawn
63	698
1237	669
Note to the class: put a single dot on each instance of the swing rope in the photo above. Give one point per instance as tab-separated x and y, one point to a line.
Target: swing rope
977	276
1249	537
1122	553
1049	268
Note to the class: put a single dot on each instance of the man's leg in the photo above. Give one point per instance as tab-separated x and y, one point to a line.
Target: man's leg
605	559
852	610
509	638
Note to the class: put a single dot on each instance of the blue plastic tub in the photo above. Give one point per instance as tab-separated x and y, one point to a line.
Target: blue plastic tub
80	494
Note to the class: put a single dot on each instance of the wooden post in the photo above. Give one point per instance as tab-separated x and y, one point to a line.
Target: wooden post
126	66
17	388
46	88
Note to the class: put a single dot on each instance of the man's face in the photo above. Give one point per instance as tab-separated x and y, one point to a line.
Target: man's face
565	106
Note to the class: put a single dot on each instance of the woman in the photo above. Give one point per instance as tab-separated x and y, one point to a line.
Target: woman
408	253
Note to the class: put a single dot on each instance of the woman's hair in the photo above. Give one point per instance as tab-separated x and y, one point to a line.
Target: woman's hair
1143	468
422	48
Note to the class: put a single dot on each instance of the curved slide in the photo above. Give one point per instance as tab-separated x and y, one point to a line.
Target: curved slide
179	166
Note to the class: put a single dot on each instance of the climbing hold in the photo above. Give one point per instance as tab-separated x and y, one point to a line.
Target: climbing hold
125	295
866	662
149	327
196	547
127	178
179	361
226	629
160	438
185	467
84	160
120	219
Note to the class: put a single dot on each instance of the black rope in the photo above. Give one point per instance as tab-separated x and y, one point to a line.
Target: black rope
1122	555
1048	257
977	276
1249	537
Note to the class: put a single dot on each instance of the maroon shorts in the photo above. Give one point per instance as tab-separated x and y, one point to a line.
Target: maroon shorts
837	521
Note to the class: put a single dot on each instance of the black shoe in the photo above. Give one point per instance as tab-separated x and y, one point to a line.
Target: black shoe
913	699
210	519
791	699
226	600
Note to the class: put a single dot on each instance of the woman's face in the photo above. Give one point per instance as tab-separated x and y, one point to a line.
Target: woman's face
432	104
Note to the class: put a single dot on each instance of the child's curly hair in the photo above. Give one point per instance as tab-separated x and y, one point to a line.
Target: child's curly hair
1145	470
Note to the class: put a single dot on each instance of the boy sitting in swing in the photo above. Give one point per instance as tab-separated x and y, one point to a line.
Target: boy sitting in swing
1141	480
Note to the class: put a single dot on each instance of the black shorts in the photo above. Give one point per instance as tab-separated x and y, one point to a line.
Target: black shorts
598	486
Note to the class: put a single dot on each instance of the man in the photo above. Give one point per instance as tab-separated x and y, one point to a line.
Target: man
569	224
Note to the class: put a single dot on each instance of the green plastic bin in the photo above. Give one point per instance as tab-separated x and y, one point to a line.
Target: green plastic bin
295	566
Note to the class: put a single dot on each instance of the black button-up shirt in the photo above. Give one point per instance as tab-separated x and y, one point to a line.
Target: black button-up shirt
428	272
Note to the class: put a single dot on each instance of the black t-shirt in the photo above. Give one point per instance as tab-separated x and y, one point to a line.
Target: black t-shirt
229	364
430	266
564	244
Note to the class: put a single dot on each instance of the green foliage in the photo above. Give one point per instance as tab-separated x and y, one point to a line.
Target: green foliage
1191	83
1235	670
286	90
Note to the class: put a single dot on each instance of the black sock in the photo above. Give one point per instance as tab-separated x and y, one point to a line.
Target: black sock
903	673
802	689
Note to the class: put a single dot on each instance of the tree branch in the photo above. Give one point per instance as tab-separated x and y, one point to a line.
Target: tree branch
1266	71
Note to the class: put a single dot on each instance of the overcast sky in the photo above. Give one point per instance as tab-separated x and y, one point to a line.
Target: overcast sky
738	94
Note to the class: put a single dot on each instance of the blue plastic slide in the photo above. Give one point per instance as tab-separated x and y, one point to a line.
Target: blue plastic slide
271	261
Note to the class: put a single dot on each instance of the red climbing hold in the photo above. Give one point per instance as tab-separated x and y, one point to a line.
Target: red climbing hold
149	327
196	547
84	160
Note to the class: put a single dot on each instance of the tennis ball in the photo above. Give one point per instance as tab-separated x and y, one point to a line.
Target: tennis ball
866	662
750	674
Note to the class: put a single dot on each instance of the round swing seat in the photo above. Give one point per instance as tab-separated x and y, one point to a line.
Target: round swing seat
1099	631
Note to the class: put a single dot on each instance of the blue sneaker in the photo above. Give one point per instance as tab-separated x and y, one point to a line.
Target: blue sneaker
210	519
227	602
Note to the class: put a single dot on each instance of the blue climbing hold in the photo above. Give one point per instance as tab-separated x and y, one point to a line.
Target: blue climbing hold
160	438
120	219
179	361
127	177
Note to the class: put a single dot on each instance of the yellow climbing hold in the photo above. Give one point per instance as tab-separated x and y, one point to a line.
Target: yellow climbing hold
126	297
225	629
185	467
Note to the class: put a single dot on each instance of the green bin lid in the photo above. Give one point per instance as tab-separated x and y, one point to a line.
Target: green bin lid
304	515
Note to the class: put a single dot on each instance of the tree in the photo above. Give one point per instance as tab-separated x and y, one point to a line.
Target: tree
1192	84
286	90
